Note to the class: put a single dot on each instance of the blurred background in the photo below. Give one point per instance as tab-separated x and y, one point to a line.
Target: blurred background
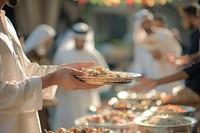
111	20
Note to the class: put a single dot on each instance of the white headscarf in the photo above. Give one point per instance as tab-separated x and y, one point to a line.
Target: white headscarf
139	35
69	43
38	38
138	32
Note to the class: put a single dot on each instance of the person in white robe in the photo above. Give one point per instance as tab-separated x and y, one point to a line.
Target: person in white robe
23	84
75	104
152	47
38	43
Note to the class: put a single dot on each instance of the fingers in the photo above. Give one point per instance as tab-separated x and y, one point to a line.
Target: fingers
78	73
79	65
85	64
84	86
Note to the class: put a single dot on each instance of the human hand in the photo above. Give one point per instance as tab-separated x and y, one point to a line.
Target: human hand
179	62
145	84
78	65
66	77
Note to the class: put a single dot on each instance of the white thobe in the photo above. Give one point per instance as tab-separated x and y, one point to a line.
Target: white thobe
74	104
20	89
153	68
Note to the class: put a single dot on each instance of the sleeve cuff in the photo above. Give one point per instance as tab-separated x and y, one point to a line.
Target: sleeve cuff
36	101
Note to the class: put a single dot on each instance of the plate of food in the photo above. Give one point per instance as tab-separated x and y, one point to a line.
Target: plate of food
165	124
173	110
85	129
100	75
115	120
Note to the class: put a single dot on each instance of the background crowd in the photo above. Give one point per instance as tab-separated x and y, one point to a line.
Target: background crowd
155	40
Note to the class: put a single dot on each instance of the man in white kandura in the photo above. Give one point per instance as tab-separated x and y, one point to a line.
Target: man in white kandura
38	43
152	47
74	104
23	84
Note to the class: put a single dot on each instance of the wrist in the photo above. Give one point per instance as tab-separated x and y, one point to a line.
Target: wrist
48	80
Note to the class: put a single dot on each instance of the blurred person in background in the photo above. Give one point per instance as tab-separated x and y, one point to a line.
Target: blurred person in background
177	35
160	21
190	21
187	73
36	47
74	104
152	47
23	84
38	43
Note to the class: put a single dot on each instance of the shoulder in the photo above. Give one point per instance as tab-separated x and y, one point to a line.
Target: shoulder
164	33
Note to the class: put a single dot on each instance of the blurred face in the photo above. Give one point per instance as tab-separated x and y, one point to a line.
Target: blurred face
188	21
79	43
158	23
48	43
11	3
146	24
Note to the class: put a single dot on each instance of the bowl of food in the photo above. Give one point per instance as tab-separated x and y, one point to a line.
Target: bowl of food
173	110
99	76
165	124
122	121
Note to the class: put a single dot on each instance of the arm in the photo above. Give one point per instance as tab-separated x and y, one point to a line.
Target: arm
195	57
35	69
26	95
177	76
147	84
189	72
65	77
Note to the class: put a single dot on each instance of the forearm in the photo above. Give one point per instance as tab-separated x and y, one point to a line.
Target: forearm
48	80
178	76
195	57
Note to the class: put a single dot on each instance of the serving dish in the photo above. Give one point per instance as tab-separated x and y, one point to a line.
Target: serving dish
176	110
101	76
115	120
165	124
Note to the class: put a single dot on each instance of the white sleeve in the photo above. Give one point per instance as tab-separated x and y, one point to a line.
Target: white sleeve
21	97
18	97
38	70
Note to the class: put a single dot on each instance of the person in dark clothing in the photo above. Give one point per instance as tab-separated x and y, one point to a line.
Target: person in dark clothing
190	19
189	22
187	73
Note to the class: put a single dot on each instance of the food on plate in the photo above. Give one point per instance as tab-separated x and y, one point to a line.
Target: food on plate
85	129
113	117
88	130
59	130
100	75
100	71
172	108
165	121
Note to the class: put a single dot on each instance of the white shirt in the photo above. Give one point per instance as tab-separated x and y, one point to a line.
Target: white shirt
20	89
